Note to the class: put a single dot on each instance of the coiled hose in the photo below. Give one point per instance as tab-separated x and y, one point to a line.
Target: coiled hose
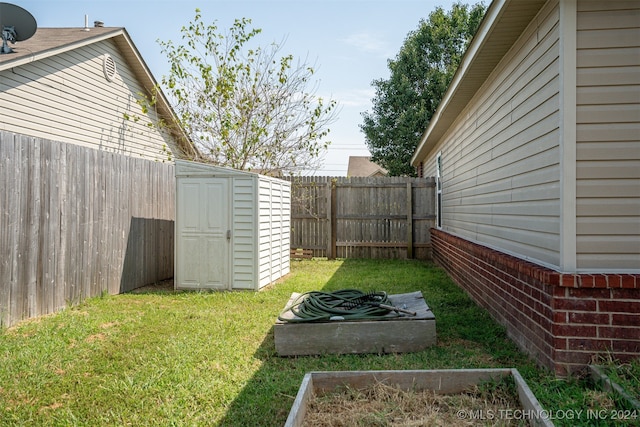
347	304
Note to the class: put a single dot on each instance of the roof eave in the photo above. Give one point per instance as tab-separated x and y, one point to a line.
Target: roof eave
150	84
37	56
427	142
485	51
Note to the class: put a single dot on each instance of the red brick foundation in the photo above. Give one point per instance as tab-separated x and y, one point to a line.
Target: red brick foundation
561	320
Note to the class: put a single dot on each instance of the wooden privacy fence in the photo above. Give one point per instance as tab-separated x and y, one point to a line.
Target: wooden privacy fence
342	217
76	222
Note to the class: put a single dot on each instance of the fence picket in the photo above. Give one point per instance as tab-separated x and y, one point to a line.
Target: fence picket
385	217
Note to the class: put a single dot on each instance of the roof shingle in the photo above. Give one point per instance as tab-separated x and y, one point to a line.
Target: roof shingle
49	40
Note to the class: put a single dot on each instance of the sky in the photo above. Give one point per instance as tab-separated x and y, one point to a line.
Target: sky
348	42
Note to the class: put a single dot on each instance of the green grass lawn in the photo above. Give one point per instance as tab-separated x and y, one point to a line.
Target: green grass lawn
208	358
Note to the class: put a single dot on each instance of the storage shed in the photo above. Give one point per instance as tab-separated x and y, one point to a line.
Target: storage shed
232	228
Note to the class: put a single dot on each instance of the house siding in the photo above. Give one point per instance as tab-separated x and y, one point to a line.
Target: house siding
582	301
66	97
500	159
608	135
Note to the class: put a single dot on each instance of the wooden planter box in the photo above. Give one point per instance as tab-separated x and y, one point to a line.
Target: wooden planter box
388	335
444	381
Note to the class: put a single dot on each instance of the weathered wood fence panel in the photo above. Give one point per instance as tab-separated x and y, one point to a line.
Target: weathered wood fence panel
309	214
76	222
387	217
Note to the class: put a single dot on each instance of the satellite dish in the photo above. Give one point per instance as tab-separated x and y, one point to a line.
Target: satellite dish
17	25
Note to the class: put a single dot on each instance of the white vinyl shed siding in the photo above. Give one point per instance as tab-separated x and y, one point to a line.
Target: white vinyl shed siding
608	135
275	225
500	159
66	97
244	233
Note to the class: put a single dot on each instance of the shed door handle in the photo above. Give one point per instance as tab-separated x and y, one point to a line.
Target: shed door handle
228	234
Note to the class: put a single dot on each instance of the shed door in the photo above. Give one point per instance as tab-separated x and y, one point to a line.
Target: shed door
202	245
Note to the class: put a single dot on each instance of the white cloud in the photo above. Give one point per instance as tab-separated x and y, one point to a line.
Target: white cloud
370	43
350	98
360	98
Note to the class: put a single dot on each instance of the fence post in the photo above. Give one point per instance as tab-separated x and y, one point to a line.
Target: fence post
333	222
409	220
330	207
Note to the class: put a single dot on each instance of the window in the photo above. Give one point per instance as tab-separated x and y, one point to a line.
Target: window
439	190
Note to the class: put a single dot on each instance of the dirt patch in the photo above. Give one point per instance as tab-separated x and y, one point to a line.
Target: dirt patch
109	325
385	405
96	337
164	286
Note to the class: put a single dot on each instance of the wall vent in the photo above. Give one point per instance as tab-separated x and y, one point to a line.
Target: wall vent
109	67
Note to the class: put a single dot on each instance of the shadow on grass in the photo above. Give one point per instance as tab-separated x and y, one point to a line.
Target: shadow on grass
467	338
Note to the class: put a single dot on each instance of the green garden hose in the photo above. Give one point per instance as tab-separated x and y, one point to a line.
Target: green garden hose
345	304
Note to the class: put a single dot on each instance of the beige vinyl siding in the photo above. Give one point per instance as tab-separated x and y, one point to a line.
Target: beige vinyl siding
608	135
66	97
500	158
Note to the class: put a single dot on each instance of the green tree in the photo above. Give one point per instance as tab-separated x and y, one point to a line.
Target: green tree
419	76
244	106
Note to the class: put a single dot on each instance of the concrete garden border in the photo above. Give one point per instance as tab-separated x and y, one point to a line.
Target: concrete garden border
599	376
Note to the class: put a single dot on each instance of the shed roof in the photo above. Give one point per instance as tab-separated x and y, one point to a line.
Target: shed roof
47	42
189	169
503	23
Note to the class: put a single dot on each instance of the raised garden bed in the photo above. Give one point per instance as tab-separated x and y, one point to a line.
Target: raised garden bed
442	382
386	335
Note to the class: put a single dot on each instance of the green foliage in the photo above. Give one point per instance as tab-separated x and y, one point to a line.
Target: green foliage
419	77
245	106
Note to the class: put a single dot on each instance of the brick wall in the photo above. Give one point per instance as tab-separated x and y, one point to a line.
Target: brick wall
561	320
